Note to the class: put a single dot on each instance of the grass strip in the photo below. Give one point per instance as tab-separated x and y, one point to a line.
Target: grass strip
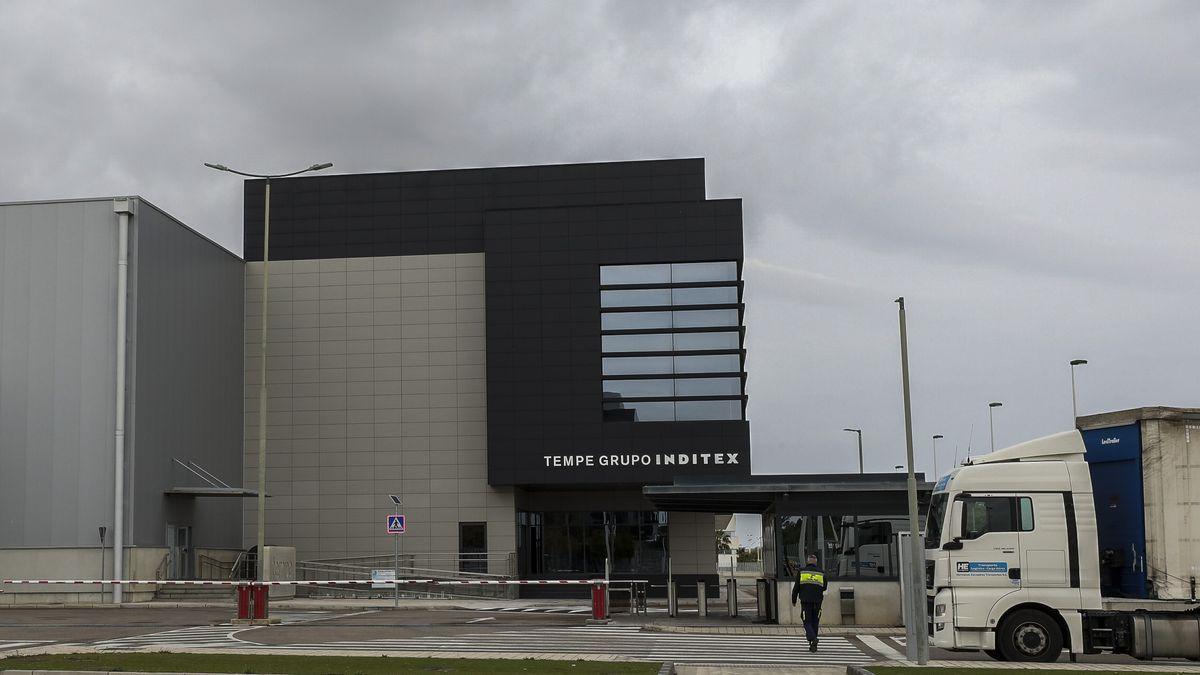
168	662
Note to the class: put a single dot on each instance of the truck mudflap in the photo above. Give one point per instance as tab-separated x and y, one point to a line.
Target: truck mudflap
1143	635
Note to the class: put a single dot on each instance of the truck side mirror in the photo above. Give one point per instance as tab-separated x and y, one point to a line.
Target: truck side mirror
954	545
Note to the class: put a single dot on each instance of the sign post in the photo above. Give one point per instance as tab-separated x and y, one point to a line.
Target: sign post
103	531
395	525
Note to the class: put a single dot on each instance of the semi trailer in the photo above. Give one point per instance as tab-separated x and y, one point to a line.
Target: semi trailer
1013	562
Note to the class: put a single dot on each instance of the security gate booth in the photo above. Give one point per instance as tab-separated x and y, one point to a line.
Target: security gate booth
849	521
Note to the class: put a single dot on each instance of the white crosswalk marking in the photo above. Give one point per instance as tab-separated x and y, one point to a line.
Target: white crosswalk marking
628	641
885	650
193	636
5	646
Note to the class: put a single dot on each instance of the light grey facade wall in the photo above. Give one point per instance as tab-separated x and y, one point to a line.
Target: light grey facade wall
57	381
693	543
186	385
377	386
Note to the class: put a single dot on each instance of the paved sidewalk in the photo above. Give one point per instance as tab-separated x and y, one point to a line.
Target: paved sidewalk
743	628
1147	667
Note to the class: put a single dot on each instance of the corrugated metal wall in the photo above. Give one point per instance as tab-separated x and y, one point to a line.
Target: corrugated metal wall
187	381
57	332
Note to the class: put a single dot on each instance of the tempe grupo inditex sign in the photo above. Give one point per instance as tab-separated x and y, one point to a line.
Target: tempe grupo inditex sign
635	459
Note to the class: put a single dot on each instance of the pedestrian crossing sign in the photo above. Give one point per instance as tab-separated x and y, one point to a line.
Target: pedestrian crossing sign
395	523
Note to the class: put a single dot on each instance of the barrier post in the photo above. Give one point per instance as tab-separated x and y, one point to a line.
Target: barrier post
764	606
701	597
243	602
599	604
731	596
261	595
672	599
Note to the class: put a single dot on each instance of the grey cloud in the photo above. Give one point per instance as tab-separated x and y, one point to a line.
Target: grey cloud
1024	172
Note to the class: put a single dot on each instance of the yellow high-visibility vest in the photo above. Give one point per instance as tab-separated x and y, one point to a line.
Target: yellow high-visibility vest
808	577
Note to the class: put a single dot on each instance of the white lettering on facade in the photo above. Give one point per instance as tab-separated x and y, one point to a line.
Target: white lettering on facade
642	459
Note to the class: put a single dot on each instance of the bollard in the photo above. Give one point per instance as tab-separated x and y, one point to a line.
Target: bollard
599	606
260	602
731	596
243	602
701	597
672	599
764	608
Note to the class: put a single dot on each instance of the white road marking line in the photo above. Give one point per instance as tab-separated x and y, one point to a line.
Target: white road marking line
881	647
27	643
482	619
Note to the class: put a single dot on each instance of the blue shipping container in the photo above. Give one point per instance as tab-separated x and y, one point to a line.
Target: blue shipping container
1114	455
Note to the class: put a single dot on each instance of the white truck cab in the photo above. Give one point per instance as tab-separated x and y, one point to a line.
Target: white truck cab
1012	566
1011	538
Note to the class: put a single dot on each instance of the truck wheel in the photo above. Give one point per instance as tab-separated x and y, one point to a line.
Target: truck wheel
995	654
1029	635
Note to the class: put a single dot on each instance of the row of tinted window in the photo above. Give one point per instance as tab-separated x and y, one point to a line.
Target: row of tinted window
653	297
672	411
702	318
666	365
668	388
670	342
672	273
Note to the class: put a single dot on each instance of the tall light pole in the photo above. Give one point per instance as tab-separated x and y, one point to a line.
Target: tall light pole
860	455
262	385
936	475
1074	411
917	645
991	428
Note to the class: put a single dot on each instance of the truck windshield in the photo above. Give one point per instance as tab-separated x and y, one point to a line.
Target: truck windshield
933	524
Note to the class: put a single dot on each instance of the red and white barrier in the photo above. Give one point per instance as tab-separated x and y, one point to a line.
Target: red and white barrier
331	582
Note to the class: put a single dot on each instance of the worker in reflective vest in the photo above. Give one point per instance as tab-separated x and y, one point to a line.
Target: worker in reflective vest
810	590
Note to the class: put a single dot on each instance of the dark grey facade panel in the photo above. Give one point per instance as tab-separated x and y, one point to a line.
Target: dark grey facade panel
544	232
432	212
186	348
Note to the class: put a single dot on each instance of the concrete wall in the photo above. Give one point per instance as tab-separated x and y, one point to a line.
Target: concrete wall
377	386
185	346
876	603
73	563
57	333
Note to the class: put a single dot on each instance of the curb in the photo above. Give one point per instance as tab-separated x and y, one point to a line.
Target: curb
857	670
668	668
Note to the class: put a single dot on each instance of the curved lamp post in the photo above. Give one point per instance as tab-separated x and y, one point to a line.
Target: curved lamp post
262	385
991	428
1074	411
860	455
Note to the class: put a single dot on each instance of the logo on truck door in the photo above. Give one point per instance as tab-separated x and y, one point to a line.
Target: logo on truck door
981	568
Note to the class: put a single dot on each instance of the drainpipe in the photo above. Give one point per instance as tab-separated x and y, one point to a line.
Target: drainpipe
123	208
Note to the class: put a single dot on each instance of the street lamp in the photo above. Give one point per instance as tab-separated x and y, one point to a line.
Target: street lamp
991	428
262	385
936	475
1074	411
860	455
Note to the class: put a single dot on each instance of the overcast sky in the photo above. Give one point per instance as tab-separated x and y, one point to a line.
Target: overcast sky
1027	175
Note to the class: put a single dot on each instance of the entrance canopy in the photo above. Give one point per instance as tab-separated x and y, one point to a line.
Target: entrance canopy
814	494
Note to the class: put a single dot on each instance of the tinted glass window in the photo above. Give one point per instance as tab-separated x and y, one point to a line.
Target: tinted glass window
711	271
718	363
933	524
715	295
982	515
644	411
635	274
693	341
637	365
1025	512
703	318
631	320
709	386
642	297
638	388
652	342
708	410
